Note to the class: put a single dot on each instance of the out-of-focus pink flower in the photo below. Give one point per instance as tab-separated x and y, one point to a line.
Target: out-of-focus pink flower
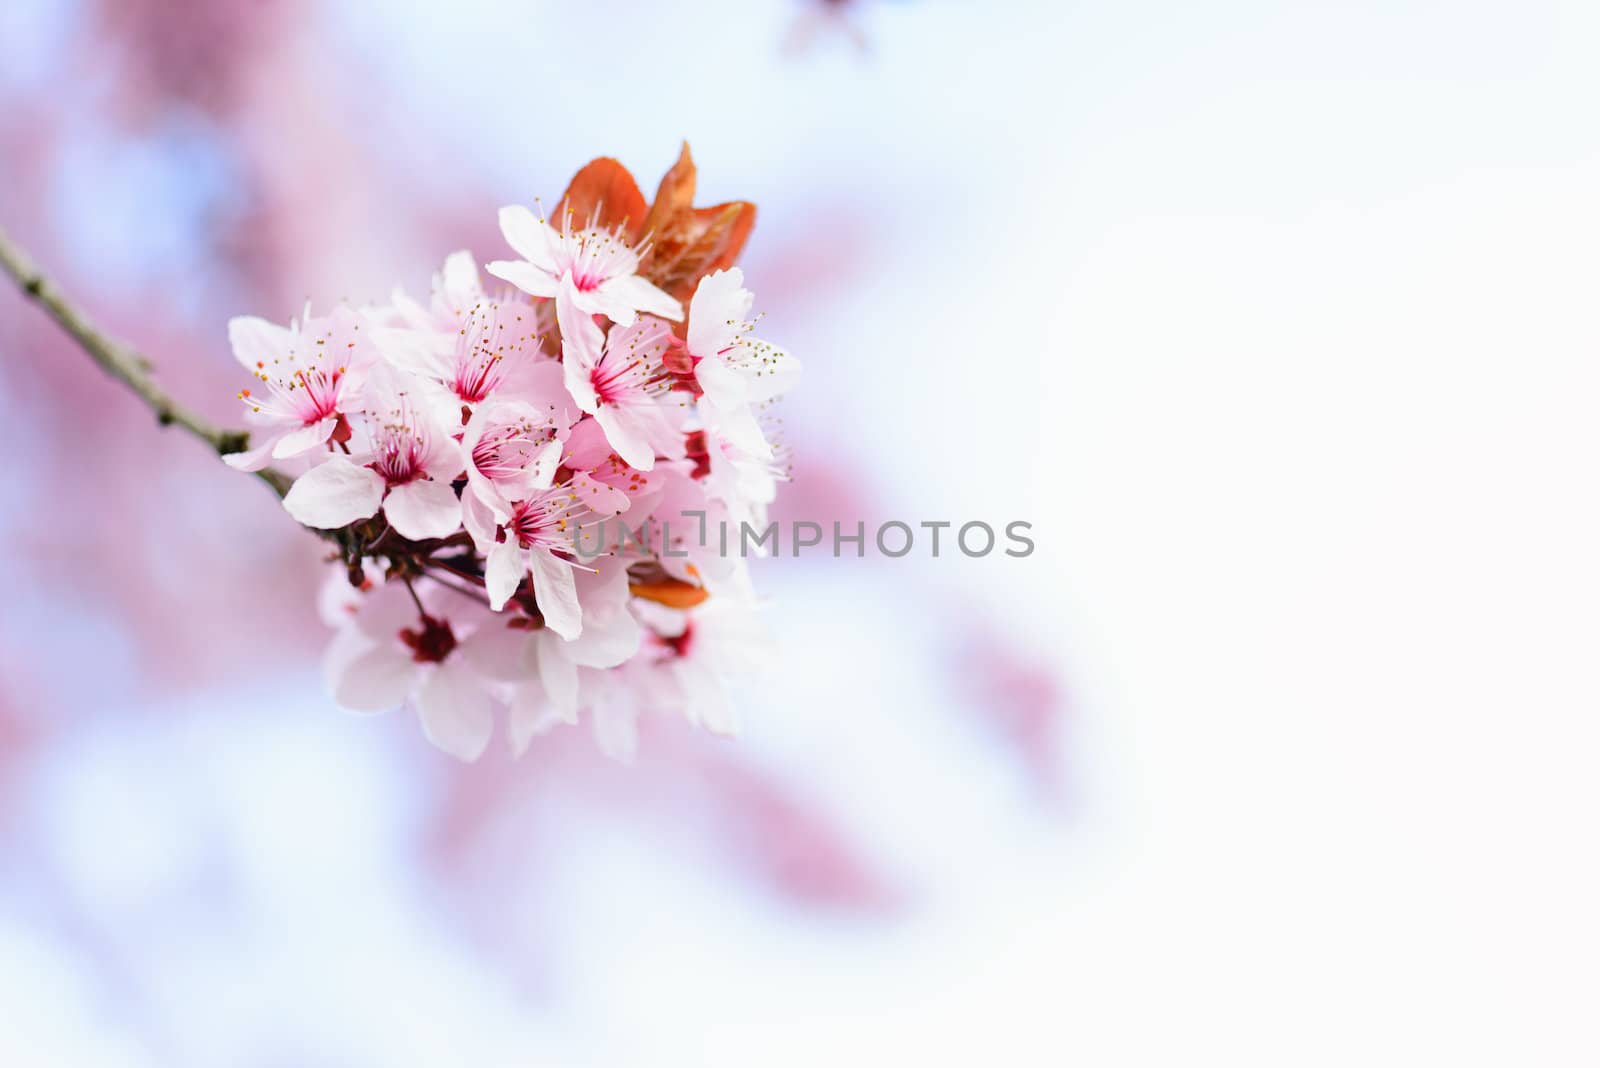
397	649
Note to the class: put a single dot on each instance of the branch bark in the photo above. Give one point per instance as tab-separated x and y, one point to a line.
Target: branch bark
121	362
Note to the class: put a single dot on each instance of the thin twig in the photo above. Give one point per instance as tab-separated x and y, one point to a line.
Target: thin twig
121	362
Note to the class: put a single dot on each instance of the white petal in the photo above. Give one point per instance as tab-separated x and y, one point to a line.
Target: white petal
480	519
717	311
364	676
726	387
252	459
504	565
635	293
603	645
532	713
705	698
555	593
559	676
525	276
579	379
455	711
626	435
528	236
423	509
776	372
256	341
333	494
737	425
413	351
304	439
500	652
458	283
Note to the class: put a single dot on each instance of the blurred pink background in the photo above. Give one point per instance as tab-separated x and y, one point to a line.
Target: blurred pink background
206	862
1275	320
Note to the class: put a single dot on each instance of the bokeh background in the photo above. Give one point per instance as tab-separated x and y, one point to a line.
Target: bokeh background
1276	321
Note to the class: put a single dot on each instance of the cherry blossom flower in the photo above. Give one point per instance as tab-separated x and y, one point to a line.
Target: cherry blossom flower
526	544
733	368
493	349
513	447
619	379
694	653
542	667
552	529
745	483
311	375
592	268
603	481
407	473
397	649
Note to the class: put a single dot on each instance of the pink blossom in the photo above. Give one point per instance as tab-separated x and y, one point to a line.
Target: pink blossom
619	378
311	375
593	269
734	369
513	446
467	345
397	649
406	471
534	540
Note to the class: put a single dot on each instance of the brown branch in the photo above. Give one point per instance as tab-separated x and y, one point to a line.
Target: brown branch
121	362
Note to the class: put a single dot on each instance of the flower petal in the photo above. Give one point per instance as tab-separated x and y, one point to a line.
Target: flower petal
634	293
367	676
256	341
627	435
532	713
423	509
559	676
455	711
525	276
717	312
555	593
458	282
334	494
252	459
529	236
304	439
499	652
504	565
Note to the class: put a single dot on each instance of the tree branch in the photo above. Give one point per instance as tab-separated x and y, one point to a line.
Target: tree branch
121	362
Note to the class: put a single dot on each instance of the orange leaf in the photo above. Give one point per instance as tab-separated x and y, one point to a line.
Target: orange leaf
704	240
674	196
606	185
669	591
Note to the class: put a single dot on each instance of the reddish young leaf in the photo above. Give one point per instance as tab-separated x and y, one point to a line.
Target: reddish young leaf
669	591
674	196
704	240
687	243
604	184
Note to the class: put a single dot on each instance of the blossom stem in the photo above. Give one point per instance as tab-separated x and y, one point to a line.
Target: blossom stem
121	362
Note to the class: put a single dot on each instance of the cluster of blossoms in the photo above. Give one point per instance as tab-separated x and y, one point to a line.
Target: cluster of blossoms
515	472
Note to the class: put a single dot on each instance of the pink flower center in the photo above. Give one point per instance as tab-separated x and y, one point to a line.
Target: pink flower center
545	522
399	458
508	450
430	642
317	395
